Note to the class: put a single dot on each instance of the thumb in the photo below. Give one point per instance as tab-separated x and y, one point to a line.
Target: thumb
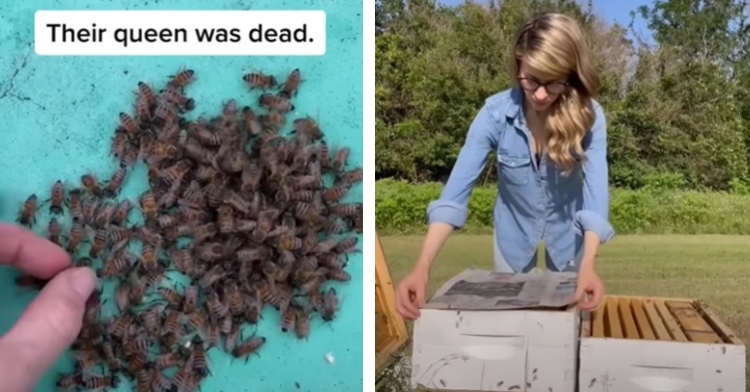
419	292
580	290
45	330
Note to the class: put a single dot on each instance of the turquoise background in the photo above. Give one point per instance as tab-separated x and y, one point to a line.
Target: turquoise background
58	115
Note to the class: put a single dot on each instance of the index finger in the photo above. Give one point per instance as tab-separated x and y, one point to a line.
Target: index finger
30	253
401	309
405	301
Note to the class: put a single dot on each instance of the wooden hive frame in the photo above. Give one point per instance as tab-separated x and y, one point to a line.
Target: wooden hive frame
664	319
390	329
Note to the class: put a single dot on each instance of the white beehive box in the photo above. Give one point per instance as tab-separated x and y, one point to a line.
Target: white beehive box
637	344
495	350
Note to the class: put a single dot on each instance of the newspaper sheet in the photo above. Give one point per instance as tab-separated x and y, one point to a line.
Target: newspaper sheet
485	290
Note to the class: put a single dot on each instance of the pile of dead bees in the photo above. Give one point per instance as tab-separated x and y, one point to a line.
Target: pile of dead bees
237	218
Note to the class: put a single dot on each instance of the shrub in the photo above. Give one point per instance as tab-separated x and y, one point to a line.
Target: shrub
401	207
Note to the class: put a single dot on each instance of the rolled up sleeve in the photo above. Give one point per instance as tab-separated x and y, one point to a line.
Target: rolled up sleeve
452	206
595	213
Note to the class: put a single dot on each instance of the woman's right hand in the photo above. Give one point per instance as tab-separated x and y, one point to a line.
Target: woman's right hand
410	293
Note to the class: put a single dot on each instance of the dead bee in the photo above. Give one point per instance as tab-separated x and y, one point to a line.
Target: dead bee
340	158
273	119
69	381
347	210
143	109
174	96
100	383
307	128
190	299
236	303
172	297
168	360
232	338
182	78
118	264
335	194
115	183
105	213
330	305
90	206
275	102
27	216
165	112
75	237
137	290
226	219
130	156
288	319
182	379
54	230
302	323
121	213
198	357
148	205
353	176
119	143
57	198
122	296
290	86
129	125
143	378
248	347
151	320
91	184
76	209
203	135
171	328
251	121
149	262
147	93
174	172
259	80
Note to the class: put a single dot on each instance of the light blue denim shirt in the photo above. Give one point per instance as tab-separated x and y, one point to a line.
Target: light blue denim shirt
535	203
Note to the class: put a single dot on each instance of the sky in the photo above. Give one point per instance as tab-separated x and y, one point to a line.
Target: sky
614	10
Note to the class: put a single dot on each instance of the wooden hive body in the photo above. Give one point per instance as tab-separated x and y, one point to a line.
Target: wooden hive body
636	344
390	330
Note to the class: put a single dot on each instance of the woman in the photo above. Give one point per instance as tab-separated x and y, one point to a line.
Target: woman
550	139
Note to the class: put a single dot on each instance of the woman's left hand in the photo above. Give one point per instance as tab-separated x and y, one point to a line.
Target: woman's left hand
590	290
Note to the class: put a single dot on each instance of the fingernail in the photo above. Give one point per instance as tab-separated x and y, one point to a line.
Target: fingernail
83	281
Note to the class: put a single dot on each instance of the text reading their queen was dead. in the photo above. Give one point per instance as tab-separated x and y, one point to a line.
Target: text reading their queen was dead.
180	33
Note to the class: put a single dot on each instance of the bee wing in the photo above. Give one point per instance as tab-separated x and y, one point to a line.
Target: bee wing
90	233
119	245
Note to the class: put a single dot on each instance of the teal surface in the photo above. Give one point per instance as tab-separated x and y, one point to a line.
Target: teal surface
58	114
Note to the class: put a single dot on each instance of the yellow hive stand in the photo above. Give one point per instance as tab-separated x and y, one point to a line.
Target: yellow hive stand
390	330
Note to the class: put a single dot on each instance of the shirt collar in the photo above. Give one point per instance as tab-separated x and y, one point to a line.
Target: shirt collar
515	109
514	106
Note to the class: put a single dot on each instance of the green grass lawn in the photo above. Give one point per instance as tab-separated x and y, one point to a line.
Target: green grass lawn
712	268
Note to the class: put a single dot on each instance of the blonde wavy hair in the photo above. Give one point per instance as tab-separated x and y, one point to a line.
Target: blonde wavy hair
553	44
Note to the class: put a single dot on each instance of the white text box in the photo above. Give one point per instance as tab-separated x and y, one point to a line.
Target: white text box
180	33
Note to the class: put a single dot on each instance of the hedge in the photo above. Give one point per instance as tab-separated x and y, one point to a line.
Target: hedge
401	207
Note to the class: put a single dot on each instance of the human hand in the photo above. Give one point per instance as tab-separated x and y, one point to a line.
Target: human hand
590	290
410	294
53	320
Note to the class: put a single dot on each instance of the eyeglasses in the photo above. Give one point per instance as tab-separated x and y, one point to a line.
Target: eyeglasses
551	87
